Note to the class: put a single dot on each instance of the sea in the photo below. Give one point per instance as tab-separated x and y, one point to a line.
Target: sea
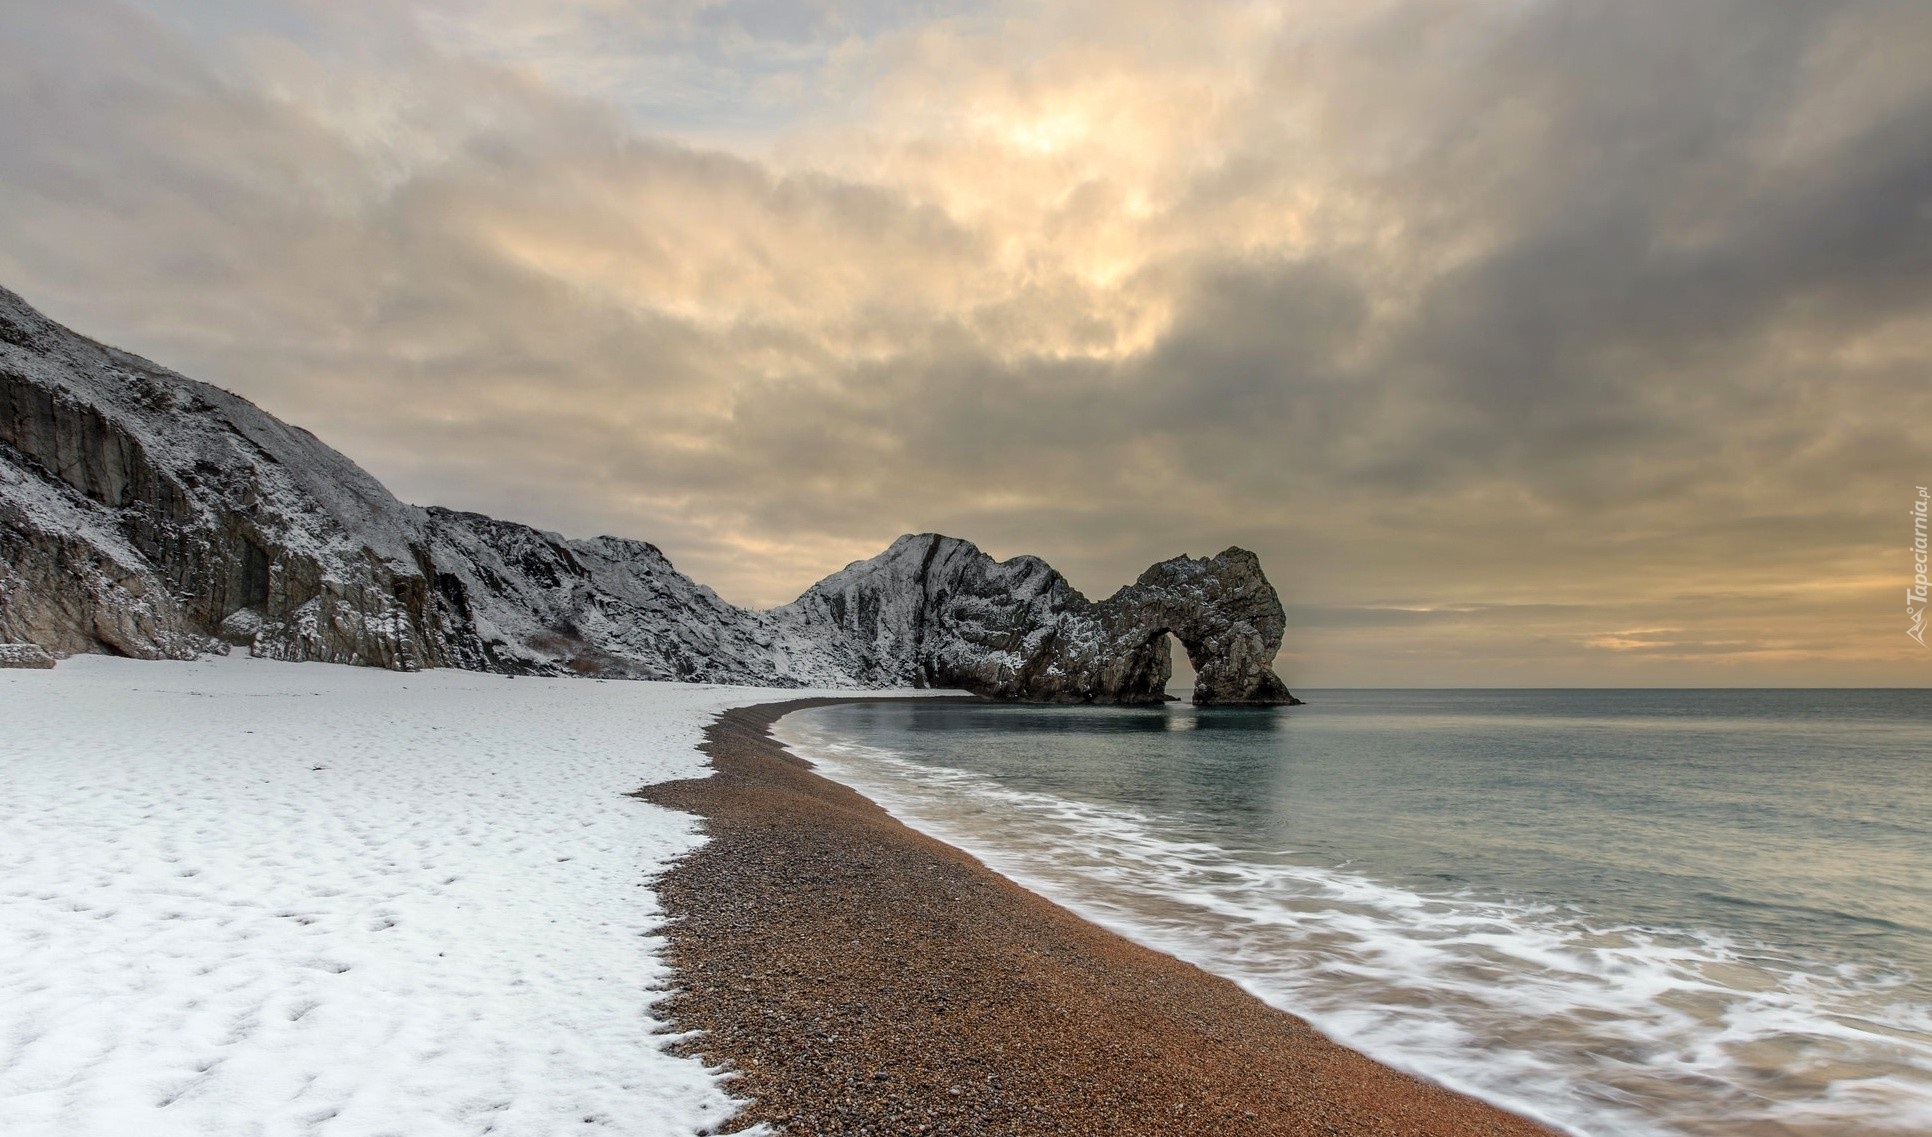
1620	912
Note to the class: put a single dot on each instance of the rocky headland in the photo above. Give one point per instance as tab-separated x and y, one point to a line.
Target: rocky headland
145	514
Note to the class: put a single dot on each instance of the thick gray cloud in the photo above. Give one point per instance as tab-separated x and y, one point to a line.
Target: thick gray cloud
1561	342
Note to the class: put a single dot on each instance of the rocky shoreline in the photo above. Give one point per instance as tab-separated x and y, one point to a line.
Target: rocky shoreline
861	977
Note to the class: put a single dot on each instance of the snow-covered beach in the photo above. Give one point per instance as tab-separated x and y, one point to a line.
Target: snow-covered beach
246	897
241	897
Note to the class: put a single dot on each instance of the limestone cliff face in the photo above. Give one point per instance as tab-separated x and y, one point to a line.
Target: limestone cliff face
1226	616
540	604
936	611
146	514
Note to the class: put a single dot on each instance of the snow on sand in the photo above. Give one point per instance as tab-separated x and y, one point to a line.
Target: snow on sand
242	897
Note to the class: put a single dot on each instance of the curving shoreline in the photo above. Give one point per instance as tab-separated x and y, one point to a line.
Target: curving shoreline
862	977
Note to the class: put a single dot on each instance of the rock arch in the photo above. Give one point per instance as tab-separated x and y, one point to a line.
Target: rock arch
1226	616
939	612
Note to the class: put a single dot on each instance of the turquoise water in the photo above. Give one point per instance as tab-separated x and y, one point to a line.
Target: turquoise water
1622	912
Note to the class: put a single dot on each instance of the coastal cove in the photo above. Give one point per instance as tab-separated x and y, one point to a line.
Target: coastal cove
1629	913
1226	568
859	976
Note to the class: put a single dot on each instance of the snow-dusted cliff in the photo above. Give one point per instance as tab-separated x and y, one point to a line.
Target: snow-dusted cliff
145	514
936	611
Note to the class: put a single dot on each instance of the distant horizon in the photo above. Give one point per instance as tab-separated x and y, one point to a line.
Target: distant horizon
1564	345
1705	688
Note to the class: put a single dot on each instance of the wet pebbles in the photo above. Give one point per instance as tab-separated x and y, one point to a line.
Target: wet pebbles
862	978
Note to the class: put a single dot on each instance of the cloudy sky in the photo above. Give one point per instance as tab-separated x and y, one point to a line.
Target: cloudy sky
1528	341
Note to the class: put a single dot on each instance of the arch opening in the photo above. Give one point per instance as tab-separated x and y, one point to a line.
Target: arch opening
1180	679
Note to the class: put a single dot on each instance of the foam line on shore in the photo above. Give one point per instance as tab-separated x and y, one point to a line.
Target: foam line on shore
859	975
1603	1027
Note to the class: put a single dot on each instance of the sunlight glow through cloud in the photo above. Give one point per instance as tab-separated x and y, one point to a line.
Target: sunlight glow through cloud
1489	325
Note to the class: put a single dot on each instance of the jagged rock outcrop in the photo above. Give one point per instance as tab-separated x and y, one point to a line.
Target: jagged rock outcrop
935	611
146	514
30	656
1226	616
539	604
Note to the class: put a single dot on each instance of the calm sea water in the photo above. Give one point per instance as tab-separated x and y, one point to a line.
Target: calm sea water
1622	912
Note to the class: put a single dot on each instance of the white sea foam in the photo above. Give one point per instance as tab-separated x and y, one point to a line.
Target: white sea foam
1593	1027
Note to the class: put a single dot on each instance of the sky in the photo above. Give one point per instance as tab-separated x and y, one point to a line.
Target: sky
1529	342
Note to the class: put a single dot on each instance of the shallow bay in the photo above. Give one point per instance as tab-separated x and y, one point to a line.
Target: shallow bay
1627	912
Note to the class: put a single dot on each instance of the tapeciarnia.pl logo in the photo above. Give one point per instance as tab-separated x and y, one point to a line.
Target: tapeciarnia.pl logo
1916	596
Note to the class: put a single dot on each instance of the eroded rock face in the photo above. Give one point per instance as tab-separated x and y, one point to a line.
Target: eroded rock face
541	604
28	656
146	514
935	611
1226	615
